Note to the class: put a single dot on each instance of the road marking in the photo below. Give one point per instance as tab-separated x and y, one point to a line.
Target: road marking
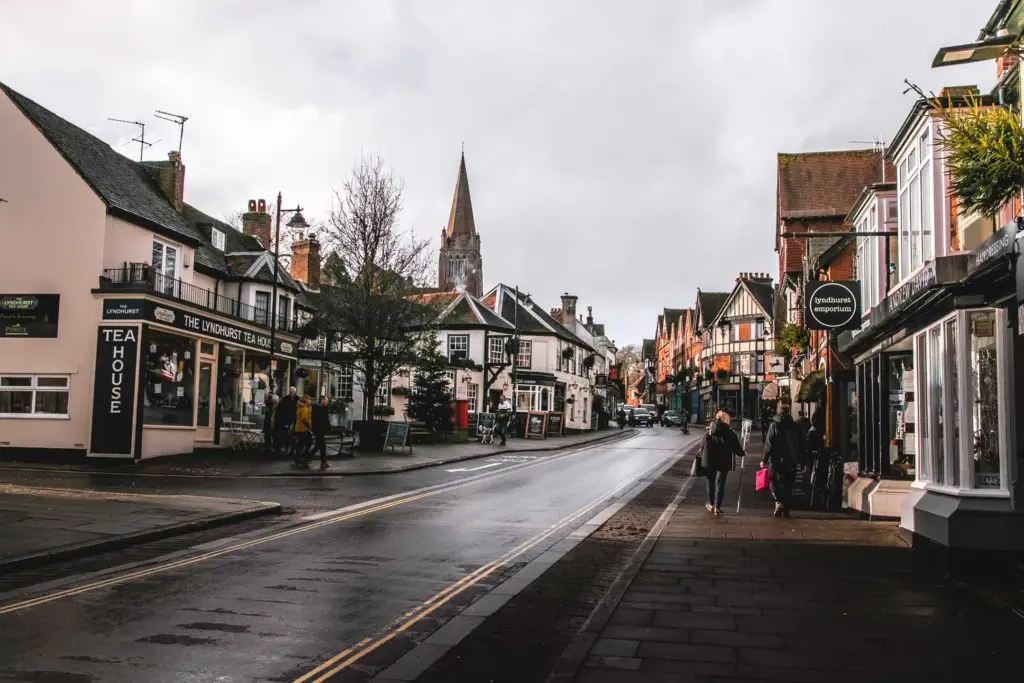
333	517
352	654
474	469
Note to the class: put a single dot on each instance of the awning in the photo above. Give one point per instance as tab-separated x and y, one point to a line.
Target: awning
812	388
770	392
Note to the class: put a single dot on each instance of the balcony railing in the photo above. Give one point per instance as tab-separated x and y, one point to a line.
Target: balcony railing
145	278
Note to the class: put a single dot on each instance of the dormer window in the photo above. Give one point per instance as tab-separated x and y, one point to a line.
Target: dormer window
217	238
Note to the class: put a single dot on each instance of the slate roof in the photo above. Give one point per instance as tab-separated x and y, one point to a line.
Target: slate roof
527	315
764	293
123	185
710	303
647	350
467	311
460	220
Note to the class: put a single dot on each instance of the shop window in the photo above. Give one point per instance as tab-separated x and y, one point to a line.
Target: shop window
34	396
532	398
524	358
961	387
496	350
458	346
168	379
229	384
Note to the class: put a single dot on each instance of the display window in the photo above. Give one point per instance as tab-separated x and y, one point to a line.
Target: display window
963	379
229	383
168	379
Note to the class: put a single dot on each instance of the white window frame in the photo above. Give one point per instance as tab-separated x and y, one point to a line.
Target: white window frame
450	376
921	153
34	388
473	396
1004	373
383	397
524	355
346	382
496	350
161	273
458	340
217	238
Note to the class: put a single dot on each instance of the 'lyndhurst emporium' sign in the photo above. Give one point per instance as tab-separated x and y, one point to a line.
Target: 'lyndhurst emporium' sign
832	305
113	403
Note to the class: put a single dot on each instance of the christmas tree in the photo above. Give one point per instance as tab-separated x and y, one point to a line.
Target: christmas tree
430	400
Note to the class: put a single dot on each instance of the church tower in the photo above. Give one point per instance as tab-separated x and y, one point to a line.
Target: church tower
461	266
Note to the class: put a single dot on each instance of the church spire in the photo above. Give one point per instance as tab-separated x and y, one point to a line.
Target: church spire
460	221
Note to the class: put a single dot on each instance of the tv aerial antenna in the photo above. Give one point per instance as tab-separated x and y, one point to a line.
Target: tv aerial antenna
176	119
141	139
878	144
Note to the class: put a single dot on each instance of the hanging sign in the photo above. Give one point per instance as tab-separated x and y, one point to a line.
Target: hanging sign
832	305
113	403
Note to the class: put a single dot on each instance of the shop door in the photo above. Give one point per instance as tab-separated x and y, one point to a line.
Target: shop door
204	402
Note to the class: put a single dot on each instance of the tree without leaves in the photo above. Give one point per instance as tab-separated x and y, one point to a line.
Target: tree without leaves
375	270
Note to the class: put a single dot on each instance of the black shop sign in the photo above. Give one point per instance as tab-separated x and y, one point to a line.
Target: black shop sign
187	321
832	305
113	402
29	315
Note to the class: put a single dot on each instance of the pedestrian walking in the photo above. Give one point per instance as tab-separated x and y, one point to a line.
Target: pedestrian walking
620	417
632	418
784	453
805	424
721	446
302	433
321	428
268	421
284	420
502	418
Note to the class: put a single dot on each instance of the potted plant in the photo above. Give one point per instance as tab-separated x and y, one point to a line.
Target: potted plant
400	391
302	373
570	399
589	361
383	411
567	353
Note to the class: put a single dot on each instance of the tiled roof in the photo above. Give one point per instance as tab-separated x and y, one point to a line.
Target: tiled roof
123	185
817	184
527	316
234	241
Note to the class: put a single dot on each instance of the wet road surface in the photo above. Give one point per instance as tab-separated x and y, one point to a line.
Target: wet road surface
276	605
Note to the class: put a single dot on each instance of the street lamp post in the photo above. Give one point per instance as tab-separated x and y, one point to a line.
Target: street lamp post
296	220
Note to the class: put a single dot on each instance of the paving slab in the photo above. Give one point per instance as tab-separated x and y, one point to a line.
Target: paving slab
40	525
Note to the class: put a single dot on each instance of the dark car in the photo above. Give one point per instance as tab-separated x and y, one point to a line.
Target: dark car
643	417
671	418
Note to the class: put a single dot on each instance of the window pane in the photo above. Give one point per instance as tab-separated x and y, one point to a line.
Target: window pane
904	234
158	257
927	211
52	402
924	468
935	402
16	402
15	381
915	223
985	397
954	408
168	380
51	381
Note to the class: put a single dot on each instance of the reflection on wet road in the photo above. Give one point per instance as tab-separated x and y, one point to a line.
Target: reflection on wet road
276	606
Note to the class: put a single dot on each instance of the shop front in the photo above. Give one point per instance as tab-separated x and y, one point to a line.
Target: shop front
169	379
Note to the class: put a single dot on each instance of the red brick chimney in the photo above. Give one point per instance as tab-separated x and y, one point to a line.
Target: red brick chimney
306	261
256	222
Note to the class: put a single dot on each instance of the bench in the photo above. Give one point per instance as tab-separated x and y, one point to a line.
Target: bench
344	438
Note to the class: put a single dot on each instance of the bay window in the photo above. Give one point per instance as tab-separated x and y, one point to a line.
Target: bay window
963	380
916	206
869	257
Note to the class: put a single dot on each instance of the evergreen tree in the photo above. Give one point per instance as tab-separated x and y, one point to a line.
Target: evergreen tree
430	400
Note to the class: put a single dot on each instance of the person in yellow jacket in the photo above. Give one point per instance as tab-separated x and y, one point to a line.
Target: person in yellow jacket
303	430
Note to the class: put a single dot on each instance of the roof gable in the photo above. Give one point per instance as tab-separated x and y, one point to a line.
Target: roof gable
708	306
467	311
124	185
527	316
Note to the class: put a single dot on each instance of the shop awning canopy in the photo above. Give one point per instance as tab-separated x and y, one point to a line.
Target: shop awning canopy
812	388
770	392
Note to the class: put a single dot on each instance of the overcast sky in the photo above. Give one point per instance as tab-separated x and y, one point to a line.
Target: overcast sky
624	152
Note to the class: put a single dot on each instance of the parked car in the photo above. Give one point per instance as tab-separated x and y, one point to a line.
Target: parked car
671	418
643	417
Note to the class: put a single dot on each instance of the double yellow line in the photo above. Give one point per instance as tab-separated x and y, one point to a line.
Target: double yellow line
170	566
351	655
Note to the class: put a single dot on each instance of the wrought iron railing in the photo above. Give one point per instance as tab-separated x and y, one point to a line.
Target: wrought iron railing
142	277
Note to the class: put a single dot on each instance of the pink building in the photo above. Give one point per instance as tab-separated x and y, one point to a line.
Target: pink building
131	324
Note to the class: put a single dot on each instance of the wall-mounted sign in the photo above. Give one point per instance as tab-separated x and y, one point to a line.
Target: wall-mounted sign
600	380
29	315
113	403
188	321
832	305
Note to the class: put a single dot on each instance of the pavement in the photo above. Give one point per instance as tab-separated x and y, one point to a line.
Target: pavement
42	525
257	463
817	597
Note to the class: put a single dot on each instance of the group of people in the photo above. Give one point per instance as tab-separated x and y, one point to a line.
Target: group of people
786	449
298	427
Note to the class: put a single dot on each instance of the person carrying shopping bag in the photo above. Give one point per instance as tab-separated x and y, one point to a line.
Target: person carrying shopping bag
721	446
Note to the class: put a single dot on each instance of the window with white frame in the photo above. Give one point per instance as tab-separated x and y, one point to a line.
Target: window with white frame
963	378
383	397
450	376
496	349
916	206
758	330
458	346
473	393
869	254
34	395
217	237
524	359
345	382
165	266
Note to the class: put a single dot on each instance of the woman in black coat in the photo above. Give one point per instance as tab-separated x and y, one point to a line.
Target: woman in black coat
721	445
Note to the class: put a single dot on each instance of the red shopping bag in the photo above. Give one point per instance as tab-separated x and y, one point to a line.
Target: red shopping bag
761	482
